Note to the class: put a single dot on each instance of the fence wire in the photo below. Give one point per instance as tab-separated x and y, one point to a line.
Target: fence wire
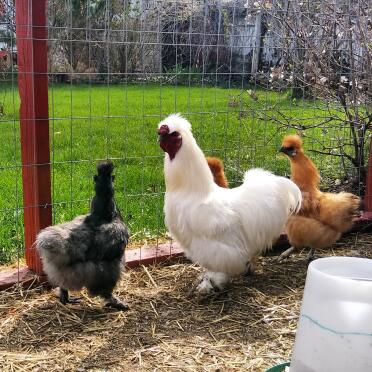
243	72
11	211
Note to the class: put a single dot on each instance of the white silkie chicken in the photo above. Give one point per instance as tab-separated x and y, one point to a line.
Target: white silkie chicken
221	229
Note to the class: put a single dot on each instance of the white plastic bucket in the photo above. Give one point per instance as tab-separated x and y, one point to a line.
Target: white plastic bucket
335	327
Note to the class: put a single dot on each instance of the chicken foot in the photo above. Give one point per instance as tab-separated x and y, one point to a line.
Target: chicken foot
286	254
64	297
210	281
115	303
251	266
311	256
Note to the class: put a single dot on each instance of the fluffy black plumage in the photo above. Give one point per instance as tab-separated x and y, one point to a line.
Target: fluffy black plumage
103	207
87	251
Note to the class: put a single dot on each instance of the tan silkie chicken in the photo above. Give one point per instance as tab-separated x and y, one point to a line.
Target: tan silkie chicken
217	169
323	216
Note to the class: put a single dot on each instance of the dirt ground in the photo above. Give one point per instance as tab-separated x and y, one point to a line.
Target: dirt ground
248	327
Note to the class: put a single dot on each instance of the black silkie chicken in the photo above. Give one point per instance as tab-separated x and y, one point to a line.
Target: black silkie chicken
87	251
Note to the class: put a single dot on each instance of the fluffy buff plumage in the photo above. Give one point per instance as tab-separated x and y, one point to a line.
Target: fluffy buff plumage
221	229
323	216
217	169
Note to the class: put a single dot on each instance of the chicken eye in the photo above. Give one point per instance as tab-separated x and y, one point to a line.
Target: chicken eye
174	134
291	148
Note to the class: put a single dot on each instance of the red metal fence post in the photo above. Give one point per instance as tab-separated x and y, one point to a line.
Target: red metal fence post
31	33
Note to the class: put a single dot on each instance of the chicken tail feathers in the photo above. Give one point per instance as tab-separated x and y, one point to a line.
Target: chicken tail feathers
43	241
105	168
283	188
51	241
339	210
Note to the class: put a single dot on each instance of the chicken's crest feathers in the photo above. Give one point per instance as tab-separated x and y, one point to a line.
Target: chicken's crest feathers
176	123
104	179
105	168
292	140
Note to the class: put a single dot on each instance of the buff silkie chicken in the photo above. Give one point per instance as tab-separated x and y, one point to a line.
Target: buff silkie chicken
222	229
323	216
88	251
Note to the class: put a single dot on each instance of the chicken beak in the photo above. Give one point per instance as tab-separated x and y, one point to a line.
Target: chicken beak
163	132
288	151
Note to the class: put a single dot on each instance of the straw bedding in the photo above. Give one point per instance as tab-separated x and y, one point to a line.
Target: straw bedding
248	327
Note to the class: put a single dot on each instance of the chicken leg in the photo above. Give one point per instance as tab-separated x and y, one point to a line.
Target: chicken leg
251	266
311	256
64	297
115	303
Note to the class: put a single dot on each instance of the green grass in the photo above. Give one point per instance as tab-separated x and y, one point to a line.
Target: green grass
96	122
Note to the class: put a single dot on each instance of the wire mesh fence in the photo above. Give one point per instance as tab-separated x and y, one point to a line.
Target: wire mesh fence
243	72
11	213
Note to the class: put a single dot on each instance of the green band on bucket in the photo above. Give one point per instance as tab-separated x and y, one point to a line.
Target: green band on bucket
341	333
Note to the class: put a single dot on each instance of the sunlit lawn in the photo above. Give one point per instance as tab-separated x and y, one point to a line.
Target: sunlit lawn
97	122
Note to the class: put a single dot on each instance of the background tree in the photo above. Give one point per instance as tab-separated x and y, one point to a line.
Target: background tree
325	54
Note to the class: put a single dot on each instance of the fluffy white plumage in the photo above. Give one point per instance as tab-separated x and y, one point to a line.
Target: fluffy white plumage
222	229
